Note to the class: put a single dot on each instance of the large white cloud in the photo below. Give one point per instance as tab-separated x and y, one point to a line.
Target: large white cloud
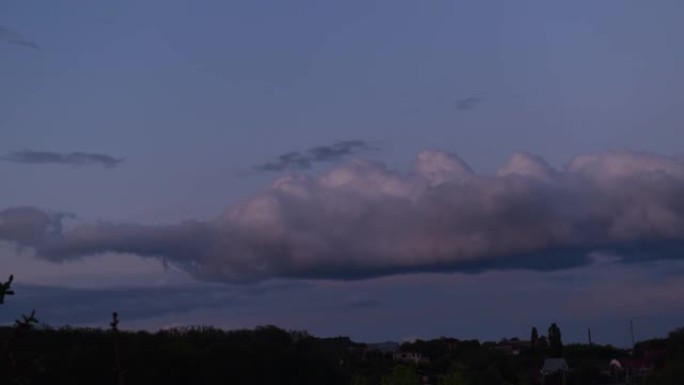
362	219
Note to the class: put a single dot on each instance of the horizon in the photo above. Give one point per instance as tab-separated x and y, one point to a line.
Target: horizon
398	342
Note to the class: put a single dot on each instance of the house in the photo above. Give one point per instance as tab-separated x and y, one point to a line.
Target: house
639	368
412	357
614	372
614	364
554	371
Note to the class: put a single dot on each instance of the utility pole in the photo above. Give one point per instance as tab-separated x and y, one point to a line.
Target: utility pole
589	334
118	371
631	332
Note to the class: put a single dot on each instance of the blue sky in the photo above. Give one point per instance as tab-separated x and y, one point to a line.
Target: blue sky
194	95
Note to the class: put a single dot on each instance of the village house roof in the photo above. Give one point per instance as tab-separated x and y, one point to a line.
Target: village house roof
552	365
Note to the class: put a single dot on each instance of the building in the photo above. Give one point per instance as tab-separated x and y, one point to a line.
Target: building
555	371
637	369
412	357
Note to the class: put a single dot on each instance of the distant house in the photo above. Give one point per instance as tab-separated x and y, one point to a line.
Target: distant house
412	357
554	371
638	368
614	371
615	364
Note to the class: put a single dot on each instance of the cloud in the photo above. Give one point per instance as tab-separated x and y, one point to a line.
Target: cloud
362	220
304	160
468	104
71	159
29	226
12	37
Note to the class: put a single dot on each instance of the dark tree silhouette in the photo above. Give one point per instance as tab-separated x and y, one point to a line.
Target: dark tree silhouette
534	336
555	342
118	371
20	366
5	289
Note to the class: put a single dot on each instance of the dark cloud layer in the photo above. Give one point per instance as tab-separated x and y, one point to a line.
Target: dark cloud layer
298	160
70	159
363	220
12	37
90	305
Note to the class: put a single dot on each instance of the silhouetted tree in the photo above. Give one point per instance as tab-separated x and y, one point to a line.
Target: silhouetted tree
118	371
555	342
401	375
5	289
455	378
20	366
534	336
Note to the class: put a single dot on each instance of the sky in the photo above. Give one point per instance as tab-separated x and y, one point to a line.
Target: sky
386	170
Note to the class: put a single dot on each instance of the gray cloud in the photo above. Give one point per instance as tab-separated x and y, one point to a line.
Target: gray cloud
468	104
363	220
29	226
12	37
71	159
305	159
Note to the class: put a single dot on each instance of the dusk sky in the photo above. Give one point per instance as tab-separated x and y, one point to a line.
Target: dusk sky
384	170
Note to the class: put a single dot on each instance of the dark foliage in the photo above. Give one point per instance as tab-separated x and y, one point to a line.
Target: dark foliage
269	355
534	336
555	342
